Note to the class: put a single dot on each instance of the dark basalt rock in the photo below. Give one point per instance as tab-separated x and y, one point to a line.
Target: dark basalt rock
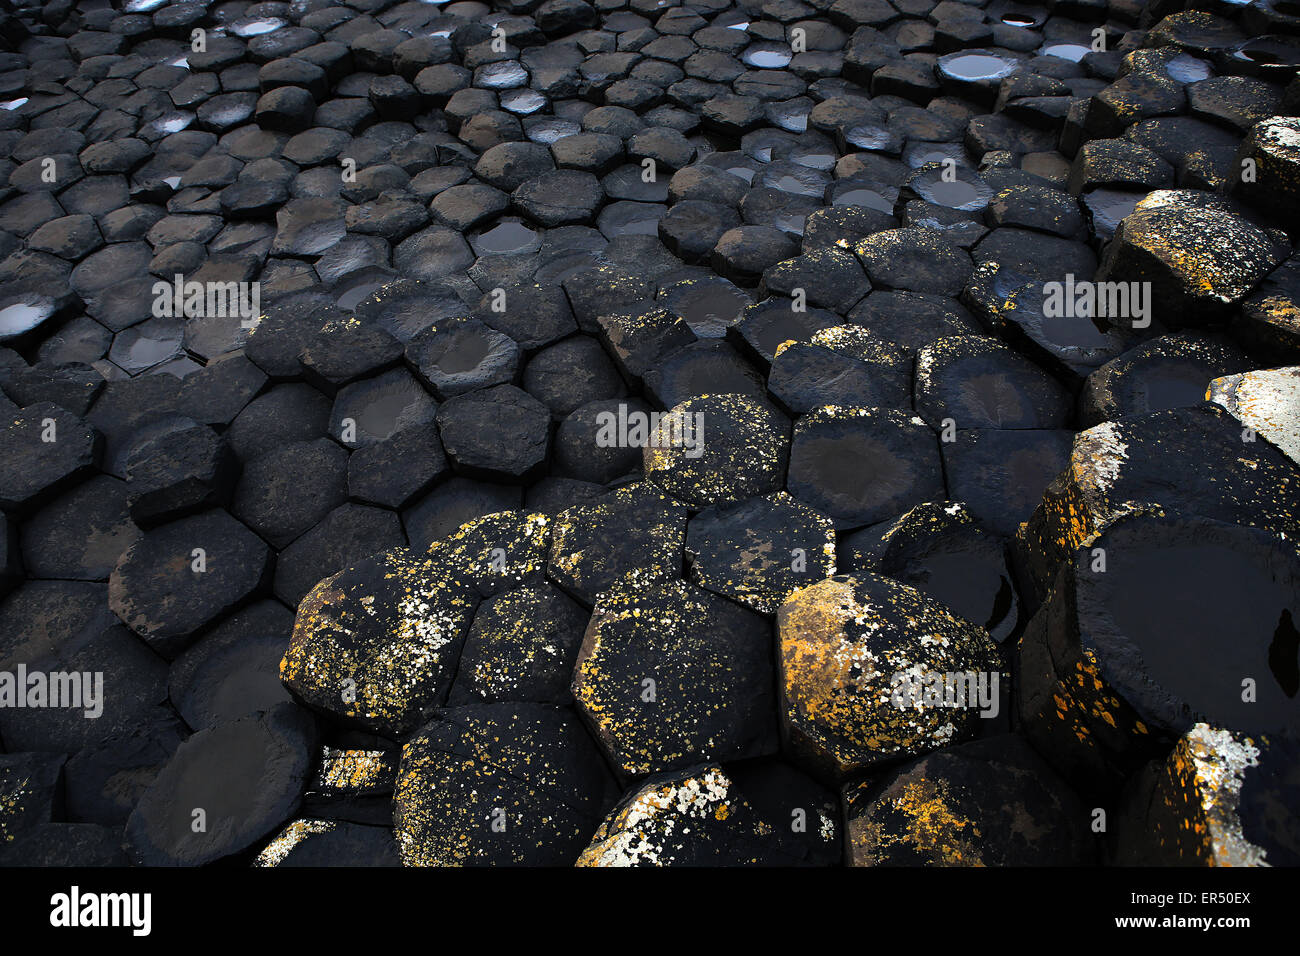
500	433
1200	261
348	533
521	647
285	491
1104	687
43	450
842	364
460	355
159	591
1000	473
913	260
943	552
1172	371
862	465
380	407
571	373
394	472
31	784
499	784
245	776
758	552
317	843
1194	461
80	535
633	529
187	469
977	382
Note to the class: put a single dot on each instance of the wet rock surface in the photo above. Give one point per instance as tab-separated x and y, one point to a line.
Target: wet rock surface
607	447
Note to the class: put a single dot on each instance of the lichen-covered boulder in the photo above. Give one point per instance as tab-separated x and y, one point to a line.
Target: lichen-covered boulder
376	645
670	674
872	670
499	785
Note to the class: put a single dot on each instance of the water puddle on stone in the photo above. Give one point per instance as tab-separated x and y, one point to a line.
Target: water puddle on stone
919	154
173	122
1018	20
549	131
522	102
143	346
992	394
767	57
628	218
13	104
708	307
502	76
257	26
465	352
1075	332
507	237
1170	386
173	181
820	161
22	317
1108	206
177	367
182	61
1074	52
791	222
970	584
142	6
868	198
744	172
957	194
384	408
1267	52
355	295
1188	69
868	137
977	66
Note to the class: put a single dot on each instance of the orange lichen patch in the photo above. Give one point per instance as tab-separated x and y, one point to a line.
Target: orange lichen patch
355	771
923	816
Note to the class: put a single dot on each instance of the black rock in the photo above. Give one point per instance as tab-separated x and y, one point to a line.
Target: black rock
180	577
861	465
223	790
